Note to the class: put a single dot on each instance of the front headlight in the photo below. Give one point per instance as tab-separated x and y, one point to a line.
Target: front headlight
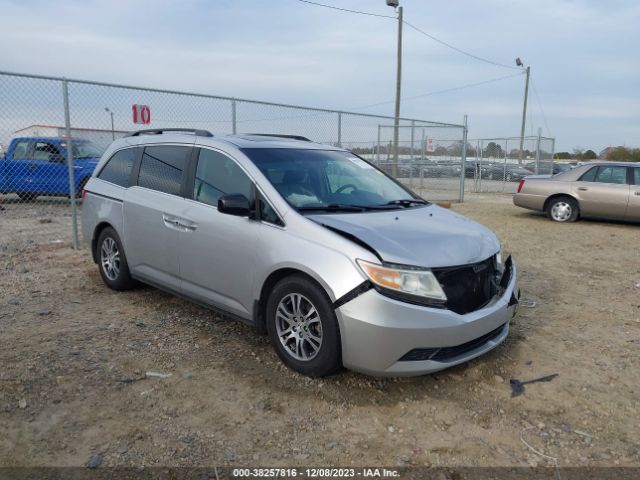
421	284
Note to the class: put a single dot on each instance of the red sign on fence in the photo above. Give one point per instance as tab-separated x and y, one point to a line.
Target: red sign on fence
430	145
141	114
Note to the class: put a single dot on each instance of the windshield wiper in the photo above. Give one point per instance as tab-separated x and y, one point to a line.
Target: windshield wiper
407	202
333	207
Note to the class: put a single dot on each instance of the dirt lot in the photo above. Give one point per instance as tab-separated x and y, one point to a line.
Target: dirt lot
73	357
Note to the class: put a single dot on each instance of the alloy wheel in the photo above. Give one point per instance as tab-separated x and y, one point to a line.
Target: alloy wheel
298	327
110	258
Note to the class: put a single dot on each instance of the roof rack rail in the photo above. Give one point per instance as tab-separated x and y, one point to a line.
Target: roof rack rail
291	137
160	131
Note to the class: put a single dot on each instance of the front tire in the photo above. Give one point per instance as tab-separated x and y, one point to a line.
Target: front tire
303	328
563	209
112	262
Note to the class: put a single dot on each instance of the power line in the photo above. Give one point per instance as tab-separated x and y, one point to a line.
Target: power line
446	90
459	50
346	9
419	30
544	117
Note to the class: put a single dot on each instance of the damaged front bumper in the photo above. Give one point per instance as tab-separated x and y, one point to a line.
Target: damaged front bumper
388	337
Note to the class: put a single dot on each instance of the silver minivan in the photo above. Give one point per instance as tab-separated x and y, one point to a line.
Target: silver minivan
340	264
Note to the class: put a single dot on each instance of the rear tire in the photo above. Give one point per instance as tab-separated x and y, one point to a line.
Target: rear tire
303	328
563	209
112	261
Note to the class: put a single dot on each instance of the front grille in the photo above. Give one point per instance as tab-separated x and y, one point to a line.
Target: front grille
469	287
448	353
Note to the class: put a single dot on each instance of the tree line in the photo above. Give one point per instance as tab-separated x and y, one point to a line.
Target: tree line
617	154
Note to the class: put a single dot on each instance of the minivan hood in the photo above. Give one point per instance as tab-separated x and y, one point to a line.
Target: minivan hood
428	236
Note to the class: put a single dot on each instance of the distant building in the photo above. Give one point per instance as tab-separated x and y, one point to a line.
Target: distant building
603	153
96	135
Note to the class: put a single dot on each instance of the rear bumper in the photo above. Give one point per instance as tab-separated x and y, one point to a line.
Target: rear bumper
382	336
532	202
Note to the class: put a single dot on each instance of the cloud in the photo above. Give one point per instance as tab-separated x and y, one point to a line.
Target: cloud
582	54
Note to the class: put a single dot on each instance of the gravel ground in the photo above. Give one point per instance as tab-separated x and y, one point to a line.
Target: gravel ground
73	358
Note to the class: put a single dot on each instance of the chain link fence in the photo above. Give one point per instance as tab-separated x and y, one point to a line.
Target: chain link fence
494	164
430	158
431	161
53	131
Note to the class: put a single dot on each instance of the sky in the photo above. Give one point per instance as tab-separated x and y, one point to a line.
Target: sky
585	67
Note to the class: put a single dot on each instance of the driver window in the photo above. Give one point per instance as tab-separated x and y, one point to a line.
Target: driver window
218	175
44	151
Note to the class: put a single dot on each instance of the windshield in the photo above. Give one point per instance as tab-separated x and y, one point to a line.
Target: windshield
329	180
85	149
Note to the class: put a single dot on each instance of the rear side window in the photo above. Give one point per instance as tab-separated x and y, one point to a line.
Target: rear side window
218	175
162	168
118	168
612	175
590	176
636	175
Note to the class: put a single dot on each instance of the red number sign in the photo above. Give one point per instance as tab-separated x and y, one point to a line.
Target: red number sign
430	145
141	114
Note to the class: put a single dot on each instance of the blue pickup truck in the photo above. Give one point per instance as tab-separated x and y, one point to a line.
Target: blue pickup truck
34	166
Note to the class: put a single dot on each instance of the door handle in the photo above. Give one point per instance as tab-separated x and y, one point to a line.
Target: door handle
178	223
186	225
583	189
637	192
32	167
169	221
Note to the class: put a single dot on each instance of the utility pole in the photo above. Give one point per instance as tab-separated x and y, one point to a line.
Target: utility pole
396	127
524	108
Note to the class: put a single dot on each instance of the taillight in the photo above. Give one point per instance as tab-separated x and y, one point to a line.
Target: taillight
84	193
520	185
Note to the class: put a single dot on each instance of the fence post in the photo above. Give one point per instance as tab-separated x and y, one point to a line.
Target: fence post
463	160
233	117
378	149
72	183
538	150
506	155
339	129
413	129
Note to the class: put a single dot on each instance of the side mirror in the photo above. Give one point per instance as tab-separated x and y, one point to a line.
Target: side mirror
234	204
